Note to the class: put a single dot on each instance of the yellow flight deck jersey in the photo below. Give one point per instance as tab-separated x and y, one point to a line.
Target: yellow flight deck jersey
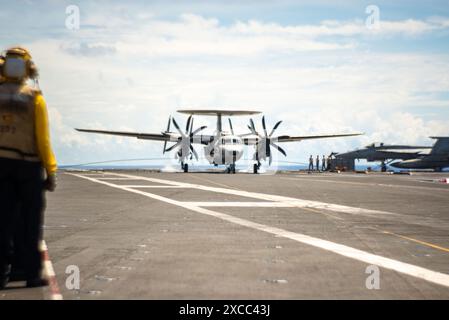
24	128
43	136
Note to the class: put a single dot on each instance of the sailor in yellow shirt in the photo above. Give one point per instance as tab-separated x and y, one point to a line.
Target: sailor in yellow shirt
27	167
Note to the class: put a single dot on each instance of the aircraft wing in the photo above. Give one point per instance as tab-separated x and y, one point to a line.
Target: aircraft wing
389	148
146	136
251	139
164	136
300	138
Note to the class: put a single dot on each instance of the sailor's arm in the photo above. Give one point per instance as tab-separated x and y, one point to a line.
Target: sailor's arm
43	136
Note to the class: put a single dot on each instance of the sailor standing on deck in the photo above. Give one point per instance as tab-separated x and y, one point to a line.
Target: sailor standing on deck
317	163
25	151
311	163
323	164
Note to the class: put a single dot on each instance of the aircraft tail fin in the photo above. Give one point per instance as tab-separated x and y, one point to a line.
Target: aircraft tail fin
441	146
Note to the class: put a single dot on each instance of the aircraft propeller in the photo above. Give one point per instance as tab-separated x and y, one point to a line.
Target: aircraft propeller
185	145
263	146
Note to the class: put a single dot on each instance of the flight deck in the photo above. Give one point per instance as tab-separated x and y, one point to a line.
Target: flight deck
208	235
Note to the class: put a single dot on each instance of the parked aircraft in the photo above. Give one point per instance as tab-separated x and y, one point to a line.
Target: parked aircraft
437	159
384	153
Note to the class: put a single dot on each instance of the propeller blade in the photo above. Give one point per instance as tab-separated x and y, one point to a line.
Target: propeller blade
264	126
230	125
198	130
177	127
175	123
194	152
188	124
191	126
268	152
173	146
279	148
253	127
168	124
168	130
275	127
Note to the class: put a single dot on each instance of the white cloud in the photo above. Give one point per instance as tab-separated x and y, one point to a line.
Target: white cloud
339	28
161	66
192	35
87	49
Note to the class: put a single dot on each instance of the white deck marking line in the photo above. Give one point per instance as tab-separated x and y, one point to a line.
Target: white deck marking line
109	178
239	204
356	254
143	186
268	197
368	184
50	273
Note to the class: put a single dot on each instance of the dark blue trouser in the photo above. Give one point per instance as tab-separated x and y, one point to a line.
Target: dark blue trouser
22	204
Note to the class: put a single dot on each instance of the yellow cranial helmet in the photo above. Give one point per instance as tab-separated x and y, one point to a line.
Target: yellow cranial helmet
18	65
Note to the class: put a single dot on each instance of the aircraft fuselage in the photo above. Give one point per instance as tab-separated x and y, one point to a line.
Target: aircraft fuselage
434	163
224	150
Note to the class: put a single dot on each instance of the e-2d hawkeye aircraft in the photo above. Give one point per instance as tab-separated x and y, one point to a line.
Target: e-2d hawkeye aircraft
223	147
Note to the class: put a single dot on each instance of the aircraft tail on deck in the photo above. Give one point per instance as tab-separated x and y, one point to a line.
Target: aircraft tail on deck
441	146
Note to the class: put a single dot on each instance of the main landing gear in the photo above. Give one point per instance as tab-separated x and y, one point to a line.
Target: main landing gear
231	168
256	167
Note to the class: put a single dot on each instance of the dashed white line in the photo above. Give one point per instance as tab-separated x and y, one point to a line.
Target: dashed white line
346	251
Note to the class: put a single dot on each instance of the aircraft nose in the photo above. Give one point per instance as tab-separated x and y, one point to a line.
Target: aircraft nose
397	164
406	164
233	152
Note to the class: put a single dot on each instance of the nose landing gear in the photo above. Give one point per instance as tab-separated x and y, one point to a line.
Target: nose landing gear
184	167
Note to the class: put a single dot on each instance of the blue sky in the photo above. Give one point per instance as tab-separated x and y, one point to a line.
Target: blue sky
313	64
